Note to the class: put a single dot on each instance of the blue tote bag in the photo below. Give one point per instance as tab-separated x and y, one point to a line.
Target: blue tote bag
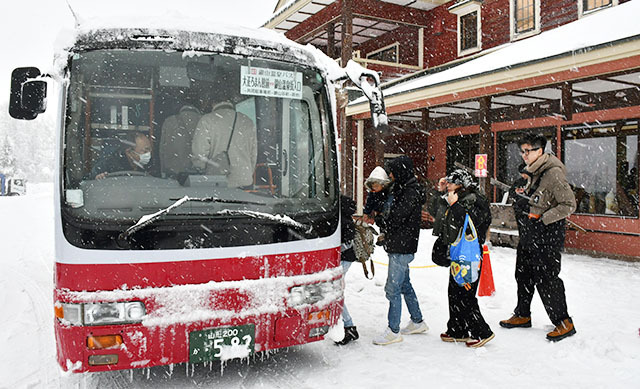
466	256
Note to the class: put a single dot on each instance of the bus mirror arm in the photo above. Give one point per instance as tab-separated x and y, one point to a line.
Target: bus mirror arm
368	82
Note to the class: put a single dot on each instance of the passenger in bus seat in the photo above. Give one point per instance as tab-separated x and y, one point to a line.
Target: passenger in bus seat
224	129
175	139
135	156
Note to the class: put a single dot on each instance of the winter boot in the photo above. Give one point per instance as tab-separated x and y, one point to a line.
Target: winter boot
562	330
350	333
516	321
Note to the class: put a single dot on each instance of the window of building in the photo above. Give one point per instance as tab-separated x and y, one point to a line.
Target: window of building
587	6
525	18
469	31
462	149
602	167
469	26
386	54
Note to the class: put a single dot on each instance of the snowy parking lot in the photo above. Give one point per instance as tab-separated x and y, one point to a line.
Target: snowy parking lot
603	296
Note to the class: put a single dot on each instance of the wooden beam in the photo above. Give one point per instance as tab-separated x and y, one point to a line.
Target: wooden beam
347	31
486	143
331	43
566	102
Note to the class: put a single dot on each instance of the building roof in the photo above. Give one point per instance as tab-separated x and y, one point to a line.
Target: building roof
600	37
365	27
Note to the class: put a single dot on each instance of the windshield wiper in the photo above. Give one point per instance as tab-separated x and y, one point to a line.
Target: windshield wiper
281	219
149	219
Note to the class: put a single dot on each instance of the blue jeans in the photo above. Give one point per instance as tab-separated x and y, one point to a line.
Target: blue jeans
346	318
398	284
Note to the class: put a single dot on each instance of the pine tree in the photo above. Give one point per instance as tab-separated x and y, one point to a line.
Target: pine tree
7	158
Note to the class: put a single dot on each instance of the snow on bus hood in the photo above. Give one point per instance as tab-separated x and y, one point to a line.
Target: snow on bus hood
192	303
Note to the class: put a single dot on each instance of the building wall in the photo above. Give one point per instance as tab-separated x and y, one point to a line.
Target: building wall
408	48
440	41
495	23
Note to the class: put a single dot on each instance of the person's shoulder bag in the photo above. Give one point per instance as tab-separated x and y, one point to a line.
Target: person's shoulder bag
220	163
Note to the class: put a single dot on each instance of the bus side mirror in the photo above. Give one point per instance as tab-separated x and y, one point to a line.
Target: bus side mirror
28	94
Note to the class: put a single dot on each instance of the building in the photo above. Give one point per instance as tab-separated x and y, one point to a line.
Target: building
485	72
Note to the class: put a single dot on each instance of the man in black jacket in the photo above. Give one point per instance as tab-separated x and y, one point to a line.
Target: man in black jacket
401	217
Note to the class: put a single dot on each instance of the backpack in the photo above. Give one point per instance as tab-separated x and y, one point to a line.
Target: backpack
363	245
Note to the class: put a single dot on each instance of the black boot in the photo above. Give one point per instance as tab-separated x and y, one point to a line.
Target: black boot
350	333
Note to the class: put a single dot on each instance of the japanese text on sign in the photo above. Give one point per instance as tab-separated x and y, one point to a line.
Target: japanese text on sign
481	165
270	82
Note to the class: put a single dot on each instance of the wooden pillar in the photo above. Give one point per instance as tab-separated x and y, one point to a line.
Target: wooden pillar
566	102
347	136
331	40
486	143
347	133
347	31
426	127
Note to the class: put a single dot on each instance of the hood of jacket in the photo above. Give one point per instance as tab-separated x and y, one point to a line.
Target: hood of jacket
402	169
544	163
377	175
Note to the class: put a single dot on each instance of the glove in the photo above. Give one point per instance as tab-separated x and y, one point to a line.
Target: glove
534	216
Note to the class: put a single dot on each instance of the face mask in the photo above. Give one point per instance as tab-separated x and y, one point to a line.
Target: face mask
145	158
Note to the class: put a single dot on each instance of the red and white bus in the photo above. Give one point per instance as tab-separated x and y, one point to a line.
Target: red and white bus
157	264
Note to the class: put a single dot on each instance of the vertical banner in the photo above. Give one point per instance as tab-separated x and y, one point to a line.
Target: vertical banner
481	165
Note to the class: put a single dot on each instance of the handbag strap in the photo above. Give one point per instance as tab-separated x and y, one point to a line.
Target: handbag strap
233	127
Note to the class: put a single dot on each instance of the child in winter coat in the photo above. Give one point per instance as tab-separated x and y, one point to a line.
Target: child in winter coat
379	185
466	323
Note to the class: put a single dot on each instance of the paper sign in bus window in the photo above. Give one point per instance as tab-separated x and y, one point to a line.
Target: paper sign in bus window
257	81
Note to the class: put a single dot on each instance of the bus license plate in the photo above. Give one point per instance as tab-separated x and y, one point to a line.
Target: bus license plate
215	344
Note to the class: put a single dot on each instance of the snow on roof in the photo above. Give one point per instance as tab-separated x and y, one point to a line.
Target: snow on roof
603	27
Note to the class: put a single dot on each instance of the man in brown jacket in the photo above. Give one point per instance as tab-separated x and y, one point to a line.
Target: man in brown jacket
547	201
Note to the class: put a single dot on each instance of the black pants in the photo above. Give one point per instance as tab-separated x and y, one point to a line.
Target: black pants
539	267
465	318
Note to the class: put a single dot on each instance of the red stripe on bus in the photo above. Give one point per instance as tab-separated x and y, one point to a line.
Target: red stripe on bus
93	277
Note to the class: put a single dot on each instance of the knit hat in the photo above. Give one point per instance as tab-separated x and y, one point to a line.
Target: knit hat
378	175
461	177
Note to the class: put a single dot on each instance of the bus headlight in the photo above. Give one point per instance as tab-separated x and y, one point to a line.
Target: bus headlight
312	293
100	313
113	313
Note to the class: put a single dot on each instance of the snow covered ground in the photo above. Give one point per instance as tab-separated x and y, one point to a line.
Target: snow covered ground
603	298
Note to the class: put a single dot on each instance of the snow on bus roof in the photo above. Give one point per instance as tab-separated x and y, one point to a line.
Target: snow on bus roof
181	25
604	27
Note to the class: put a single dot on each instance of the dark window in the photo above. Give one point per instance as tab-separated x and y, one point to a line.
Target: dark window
388	55
588	5
462	149
602	167
469	31
524	15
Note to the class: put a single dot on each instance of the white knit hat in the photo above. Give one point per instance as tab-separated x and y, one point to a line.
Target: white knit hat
378	175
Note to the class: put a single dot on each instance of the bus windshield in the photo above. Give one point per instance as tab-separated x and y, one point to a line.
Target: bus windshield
145	128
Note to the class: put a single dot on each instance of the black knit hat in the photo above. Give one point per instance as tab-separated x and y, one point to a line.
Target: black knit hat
461	177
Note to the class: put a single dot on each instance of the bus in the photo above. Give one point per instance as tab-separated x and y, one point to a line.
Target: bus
161	257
